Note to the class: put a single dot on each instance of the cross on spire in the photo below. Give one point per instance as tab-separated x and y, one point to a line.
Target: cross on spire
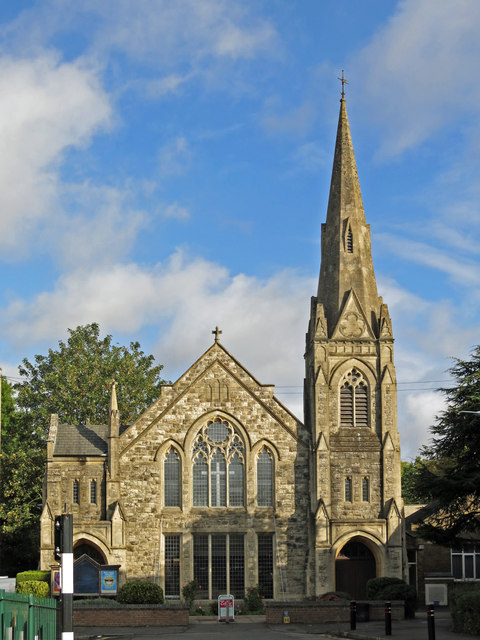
344	81
217	332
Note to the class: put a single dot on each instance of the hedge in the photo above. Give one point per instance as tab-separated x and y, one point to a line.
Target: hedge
466	613
34	587
33	576
140	592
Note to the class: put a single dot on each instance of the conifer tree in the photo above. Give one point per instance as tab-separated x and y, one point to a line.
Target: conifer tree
449	480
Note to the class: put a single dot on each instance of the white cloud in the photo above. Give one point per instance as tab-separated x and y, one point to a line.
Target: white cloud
297	121
174	157
188	298
418	71
46	107
419	414
175	211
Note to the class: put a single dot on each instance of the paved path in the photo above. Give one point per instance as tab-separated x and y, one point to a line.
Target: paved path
255	627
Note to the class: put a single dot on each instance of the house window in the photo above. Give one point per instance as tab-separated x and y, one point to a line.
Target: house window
265	478
354	400
466	562
172	477
76	492
219	564
265	564
172	566
366	490
93	492
348	489
218	466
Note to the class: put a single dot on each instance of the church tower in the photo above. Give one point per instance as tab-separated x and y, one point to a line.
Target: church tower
350	400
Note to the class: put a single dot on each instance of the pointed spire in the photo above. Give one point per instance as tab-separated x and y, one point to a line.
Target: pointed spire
346	251
113	399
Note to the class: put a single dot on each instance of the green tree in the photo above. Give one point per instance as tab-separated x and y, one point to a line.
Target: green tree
450	477
74	380
410	470
22	463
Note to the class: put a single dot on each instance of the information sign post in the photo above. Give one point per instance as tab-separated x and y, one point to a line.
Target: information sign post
226	608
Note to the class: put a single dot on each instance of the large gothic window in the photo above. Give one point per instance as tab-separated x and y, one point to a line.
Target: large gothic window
218	466
265	478
172	477
354	400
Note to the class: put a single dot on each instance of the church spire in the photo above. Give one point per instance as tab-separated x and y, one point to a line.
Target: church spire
346	250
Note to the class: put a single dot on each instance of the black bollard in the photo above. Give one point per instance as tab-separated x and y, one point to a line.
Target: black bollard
353	615
431	621
388	618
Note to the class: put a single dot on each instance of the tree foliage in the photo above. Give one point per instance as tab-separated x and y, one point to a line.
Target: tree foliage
74	380
450	477
22	464
410	470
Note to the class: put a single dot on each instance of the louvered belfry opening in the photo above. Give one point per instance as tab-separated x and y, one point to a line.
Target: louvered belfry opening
349	240
354	401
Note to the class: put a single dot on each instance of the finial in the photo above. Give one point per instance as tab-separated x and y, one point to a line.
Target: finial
217	332
344	81
113	397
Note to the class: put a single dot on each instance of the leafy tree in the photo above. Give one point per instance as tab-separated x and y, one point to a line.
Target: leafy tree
74	380
410	470
22	463
450	477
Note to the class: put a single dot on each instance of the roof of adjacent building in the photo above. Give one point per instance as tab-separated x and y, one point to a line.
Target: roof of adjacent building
81	440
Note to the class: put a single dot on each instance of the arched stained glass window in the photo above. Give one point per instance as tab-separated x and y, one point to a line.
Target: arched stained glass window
265	478
218	466
172	478
354	399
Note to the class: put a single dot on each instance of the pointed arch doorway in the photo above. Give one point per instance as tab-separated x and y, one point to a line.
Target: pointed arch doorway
354	566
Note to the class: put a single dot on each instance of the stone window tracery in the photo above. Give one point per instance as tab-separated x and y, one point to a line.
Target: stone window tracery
354	399
218	466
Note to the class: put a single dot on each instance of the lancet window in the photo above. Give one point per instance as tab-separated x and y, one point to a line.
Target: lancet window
172	478
218	466
265	478
354	400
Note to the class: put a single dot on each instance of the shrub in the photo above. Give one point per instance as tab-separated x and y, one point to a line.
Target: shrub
214	607
189	591
376	585
140	592
34	587
401	591
334	596
104	603
466	613
33	576
253	599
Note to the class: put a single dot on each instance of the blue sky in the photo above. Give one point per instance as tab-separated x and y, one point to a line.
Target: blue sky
165	169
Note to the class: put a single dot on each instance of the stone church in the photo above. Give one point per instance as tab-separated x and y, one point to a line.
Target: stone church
220	482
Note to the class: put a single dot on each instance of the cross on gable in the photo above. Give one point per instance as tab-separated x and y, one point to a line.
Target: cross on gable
217	332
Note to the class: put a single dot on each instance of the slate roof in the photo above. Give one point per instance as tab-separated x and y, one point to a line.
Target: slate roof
81	440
